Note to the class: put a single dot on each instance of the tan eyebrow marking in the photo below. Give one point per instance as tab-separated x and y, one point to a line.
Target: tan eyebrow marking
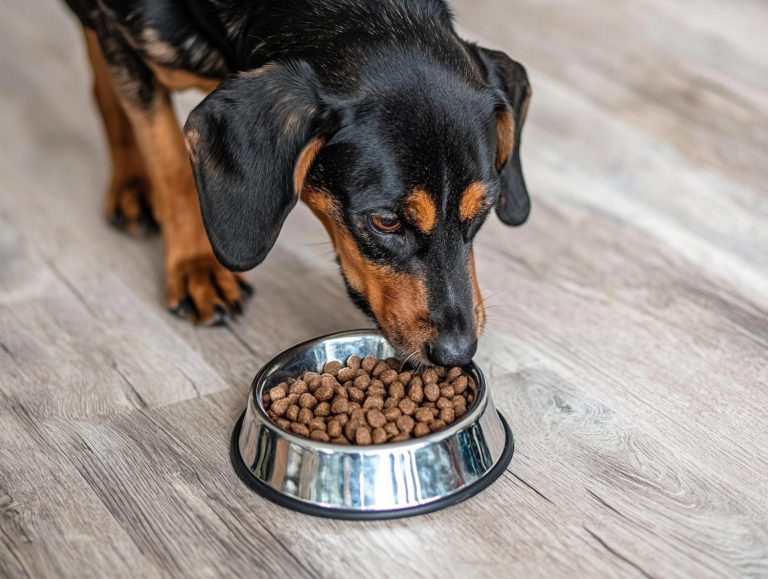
472	201
421	211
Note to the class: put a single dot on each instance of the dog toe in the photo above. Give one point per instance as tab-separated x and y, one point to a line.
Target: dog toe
206	292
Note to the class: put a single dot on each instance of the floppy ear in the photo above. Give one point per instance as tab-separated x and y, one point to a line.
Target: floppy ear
510	78
252	142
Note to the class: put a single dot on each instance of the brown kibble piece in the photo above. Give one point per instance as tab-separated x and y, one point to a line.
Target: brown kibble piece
363	436
340	390
312	379
391	429
388	377
416	390
306	400
429	376
324	393
320	435
283	423
441	372
340	406
362	382
447	391
340	440
298	388
406	424
407	406
392	414
436	425
280	407
317	424
376	418
432	392
394	363
397	390
278	392
345	375
404	378
357	414
460	411
379	369
292	413
353	362
377	388
443	403
400	438
305	415
355	394
453	373
332	367
323	409
460	384
448	414
300	429
391	402
373	402
379	436
333	428
368	363
350	428
424	415
342	419
421	429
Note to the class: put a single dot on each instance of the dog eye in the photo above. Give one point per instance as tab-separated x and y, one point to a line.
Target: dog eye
384	223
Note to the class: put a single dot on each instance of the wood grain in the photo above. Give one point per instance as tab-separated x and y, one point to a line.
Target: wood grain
627	341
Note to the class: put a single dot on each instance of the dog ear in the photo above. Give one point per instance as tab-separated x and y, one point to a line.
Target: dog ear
511	80
252	142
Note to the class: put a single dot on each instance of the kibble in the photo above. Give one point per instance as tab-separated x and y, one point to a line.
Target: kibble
369	401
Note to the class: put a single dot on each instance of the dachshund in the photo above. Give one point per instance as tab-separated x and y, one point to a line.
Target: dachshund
398	135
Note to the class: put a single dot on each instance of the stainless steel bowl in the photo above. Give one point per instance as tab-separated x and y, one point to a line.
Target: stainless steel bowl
366	482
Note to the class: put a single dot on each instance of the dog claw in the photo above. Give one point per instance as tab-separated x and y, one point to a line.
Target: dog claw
184	309
245	287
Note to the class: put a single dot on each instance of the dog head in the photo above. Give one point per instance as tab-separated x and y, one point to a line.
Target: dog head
402	168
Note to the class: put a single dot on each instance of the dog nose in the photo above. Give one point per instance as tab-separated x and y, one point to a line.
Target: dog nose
452	350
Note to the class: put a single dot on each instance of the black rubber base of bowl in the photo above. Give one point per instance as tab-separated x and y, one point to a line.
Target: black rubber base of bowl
355	515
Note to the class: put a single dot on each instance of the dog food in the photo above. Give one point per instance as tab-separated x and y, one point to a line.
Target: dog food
369	401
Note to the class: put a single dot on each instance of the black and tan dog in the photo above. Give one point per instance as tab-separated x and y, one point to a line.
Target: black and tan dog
399	136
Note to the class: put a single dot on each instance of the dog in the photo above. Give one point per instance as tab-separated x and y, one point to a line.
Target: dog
398	135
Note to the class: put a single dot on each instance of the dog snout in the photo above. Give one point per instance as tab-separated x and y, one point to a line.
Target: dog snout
452	350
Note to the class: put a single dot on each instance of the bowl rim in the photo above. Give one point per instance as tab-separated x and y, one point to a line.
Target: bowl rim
254	402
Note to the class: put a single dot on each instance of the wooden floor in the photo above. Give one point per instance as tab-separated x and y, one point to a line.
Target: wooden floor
628	345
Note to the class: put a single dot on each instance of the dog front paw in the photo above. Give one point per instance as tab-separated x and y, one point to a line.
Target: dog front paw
127	207
201	289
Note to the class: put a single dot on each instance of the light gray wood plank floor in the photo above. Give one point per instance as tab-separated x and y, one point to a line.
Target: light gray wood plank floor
627	341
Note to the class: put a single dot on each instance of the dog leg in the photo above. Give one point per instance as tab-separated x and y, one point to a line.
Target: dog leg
128	204
197	285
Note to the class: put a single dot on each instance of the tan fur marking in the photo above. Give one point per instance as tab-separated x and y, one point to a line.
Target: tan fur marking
505	130
304	163
398	301
175	79
477	297
472	201
257	72
420	210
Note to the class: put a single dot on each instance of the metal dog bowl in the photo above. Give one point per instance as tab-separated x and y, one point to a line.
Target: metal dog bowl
366	482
